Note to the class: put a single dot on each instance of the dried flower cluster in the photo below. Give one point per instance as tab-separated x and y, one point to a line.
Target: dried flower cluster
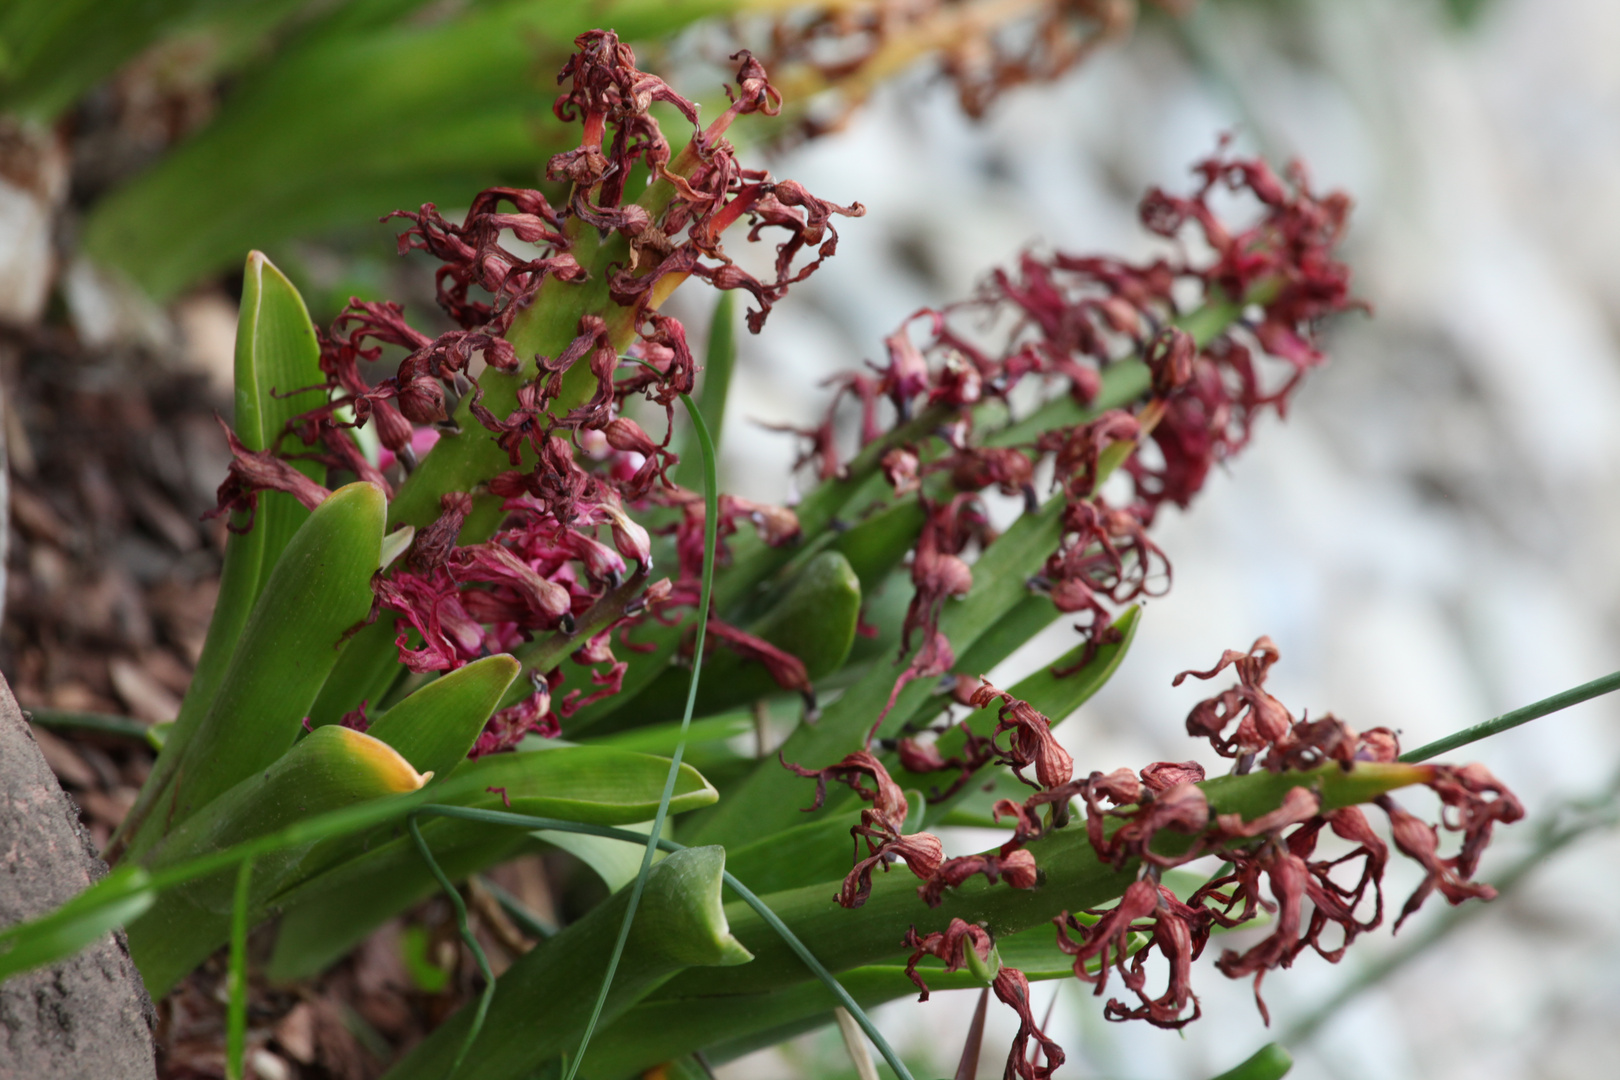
576	464
984	49
1067	322
1160	817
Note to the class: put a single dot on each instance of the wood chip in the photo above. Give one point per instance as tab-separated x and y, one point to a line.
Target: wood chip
38	518
296	1034
146	697
64	761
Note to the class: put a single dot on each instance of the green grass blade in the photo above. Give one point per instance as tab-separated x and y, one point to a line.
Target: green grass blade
108	904
236	978
476	949
719	360
1507	721
711	524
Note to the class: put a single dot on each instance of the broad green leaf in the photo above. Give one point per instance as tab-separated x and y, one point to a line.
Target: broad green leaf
332	769
878	544
276	354
589	784
661	738
817	849
319	589
365	670
680	923
727	1026
614	861
320	922
435	727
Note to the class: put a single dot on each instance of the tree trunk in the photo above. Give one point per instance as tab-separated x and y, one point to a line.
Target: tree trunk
87	1017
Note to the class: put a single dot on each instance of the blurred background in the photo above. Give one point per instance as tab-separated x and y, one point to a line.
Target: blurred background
1429	537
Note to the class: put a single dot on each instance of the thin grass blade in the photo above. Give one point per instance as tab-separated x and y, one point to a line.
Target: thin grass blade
236	979
711	523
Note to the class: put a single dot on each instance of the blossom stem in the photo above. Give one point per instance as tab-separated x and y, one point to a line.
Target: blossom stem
1574	696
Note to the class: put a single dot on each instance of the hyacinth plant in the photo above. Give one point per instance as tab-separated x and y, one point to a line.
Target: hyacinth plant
470	601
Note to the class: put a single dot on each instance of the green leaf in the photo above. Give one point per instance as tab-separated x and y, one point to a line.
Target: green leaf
662	738
681	923
435	727
1270	1062
55	50
332	769
365	670
320	587
727	1027
588	784
614	861
320	922
878	544
114	900
276	354
355	119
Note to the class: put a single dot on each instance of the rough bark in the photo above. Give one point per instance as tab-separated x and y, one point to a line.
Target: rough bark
88	1017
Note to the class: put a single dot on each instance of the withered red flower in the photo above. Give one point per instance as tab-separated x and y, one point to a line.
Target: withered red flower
882	824
1032	741
253	471
1177	930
